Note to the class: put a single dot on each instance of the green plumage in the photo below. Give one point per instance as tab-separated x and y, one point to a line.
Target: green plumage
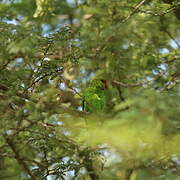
94	97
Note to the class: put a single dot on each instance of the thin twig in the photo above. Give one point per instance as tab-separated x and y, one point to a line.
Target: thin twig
75	91
170	35
126	85
169	10
135	10
42	77
45	54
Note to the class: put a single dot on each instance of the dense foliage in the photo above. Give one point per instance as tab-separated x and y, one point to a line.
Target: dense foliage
51	50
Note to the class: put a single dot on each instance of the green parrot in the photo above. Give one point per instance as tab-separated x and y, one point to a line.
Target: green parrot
94	96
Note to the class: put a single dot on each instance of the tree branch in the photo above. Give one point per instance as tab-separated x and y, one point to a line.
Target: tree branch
135	10
170	35
114	82
43	76
18	158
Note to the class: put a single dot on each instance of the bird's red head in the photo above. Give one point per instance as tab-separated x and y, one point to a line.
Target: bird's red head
105	83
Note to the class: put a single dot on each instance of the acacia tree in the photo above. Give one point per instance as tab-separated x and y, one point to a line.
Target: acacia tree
50	50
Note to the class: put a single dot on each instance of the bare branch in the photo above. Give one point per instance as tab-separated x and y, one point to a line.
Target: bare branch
125	85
